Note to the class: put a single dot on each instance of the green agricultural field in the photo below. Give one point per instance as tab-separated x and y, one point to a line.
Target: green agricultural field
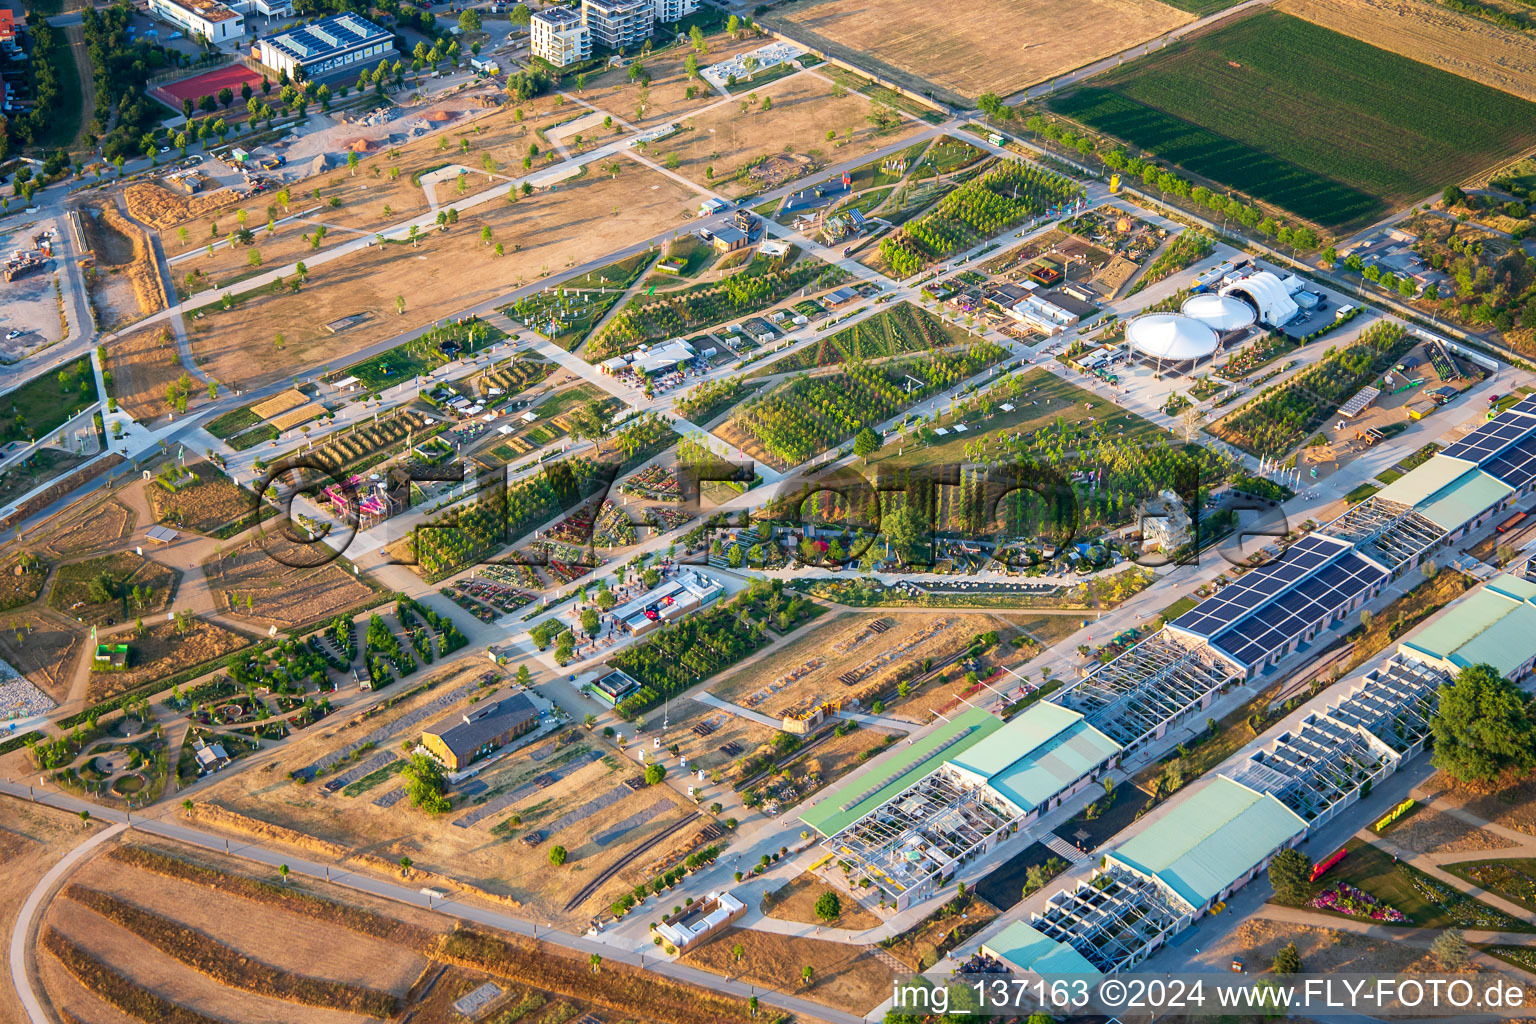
1325	126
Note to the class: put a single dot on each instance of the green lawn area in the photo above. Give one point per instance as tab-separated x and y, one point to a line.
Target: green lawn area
948	154
1361	493
620	274
420	355
253	437
565	401
1387	476
870	175
1058	400
1178	608
68	111
47	401
1298	116
762	78
233	422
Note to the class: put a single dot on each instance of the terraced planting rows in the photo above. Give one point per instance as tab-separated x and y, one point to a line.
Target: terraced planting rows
808	415
900	329
759	286
1005	196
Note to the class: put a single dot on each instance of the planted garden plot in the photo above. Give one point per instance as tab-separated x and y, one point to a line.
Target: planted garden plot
762	283
808	415
1002	198
901	329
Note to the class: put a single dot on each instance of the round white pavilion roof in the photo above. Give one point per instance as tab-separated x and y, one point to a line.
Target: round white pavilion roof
1222	312
1171	336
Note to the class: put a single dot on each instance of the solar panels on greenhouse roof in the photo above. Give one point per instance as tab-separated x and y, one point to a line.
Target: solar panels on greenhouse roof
1492	437
1263	611
1516	465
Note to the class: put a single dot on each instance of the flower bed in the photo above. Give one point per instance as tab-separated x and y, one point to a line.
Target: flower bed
1345	899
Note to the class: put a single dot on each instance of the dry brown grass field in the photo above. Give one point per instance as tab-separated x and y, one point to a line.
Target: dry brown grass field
441	275
84	528
849	643
1434	35
163	650
846	977
282	595
803	111
666	99
143	362
365	190
489	852
32	840
43	646
797	902
997	46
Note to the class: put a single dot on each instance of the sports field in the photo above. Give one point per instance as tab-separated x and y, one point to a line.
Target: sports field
1325	126
981	46
209	83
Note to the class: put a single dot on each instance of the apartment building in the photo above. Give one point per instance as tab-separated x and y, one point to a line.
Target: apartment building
619	24
560	36
675	10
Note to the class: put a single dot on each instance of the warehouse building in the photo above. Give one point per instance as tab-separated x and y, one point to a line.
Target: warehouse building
1040	758
1495	625
330	46
560	36
460	739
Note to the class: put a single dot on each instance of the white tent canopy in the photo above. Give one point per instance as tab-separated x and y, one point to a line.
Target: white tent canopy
1223	312
1171	336
1268	295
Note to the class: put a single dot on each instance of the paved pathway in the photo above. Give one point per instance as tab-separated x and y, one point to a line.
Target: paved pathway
22	933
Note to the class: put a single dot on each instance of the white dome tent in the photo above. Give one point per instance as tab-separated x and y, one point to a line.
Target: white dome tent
1171	338
1224	313
1265	292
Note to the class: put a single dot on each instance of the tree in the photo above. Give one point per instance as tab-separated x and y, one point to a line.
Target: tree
400	304
1449	948
590	621
596	960
85	819
807	973
739	952
696	40
866	443
1484	734
469	20
1453	196
1288	960
654	773
1290	873
524	677
557	855
186	107
282	869
991	104
733	24
828	906
226	97
405	867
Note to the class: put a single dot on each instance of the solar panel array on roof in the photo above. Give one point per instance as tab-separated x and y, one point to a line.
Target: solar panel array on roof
1317	599
1515	465
1527	404
1269	607
1244	595
1492	437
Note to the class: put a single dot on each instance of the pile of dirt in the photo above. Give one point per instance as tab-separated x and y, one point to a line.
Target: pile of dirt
439	115
141	269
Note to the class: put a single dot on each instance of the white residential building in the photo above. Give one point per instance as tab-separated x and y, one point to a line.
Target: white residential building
619	24
675	10
560	36
217	22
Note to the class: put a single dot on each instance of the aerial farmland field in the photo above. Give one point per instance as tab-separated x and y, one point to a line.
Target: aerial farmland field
1438	36
1325	126
965	50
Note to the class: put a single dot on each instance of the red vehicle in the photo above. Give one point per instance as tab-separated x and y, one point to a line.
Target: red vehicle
1512	522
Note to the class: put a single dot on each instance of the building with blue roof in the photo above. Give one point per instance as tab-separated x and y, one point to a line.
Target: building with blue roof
328	47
